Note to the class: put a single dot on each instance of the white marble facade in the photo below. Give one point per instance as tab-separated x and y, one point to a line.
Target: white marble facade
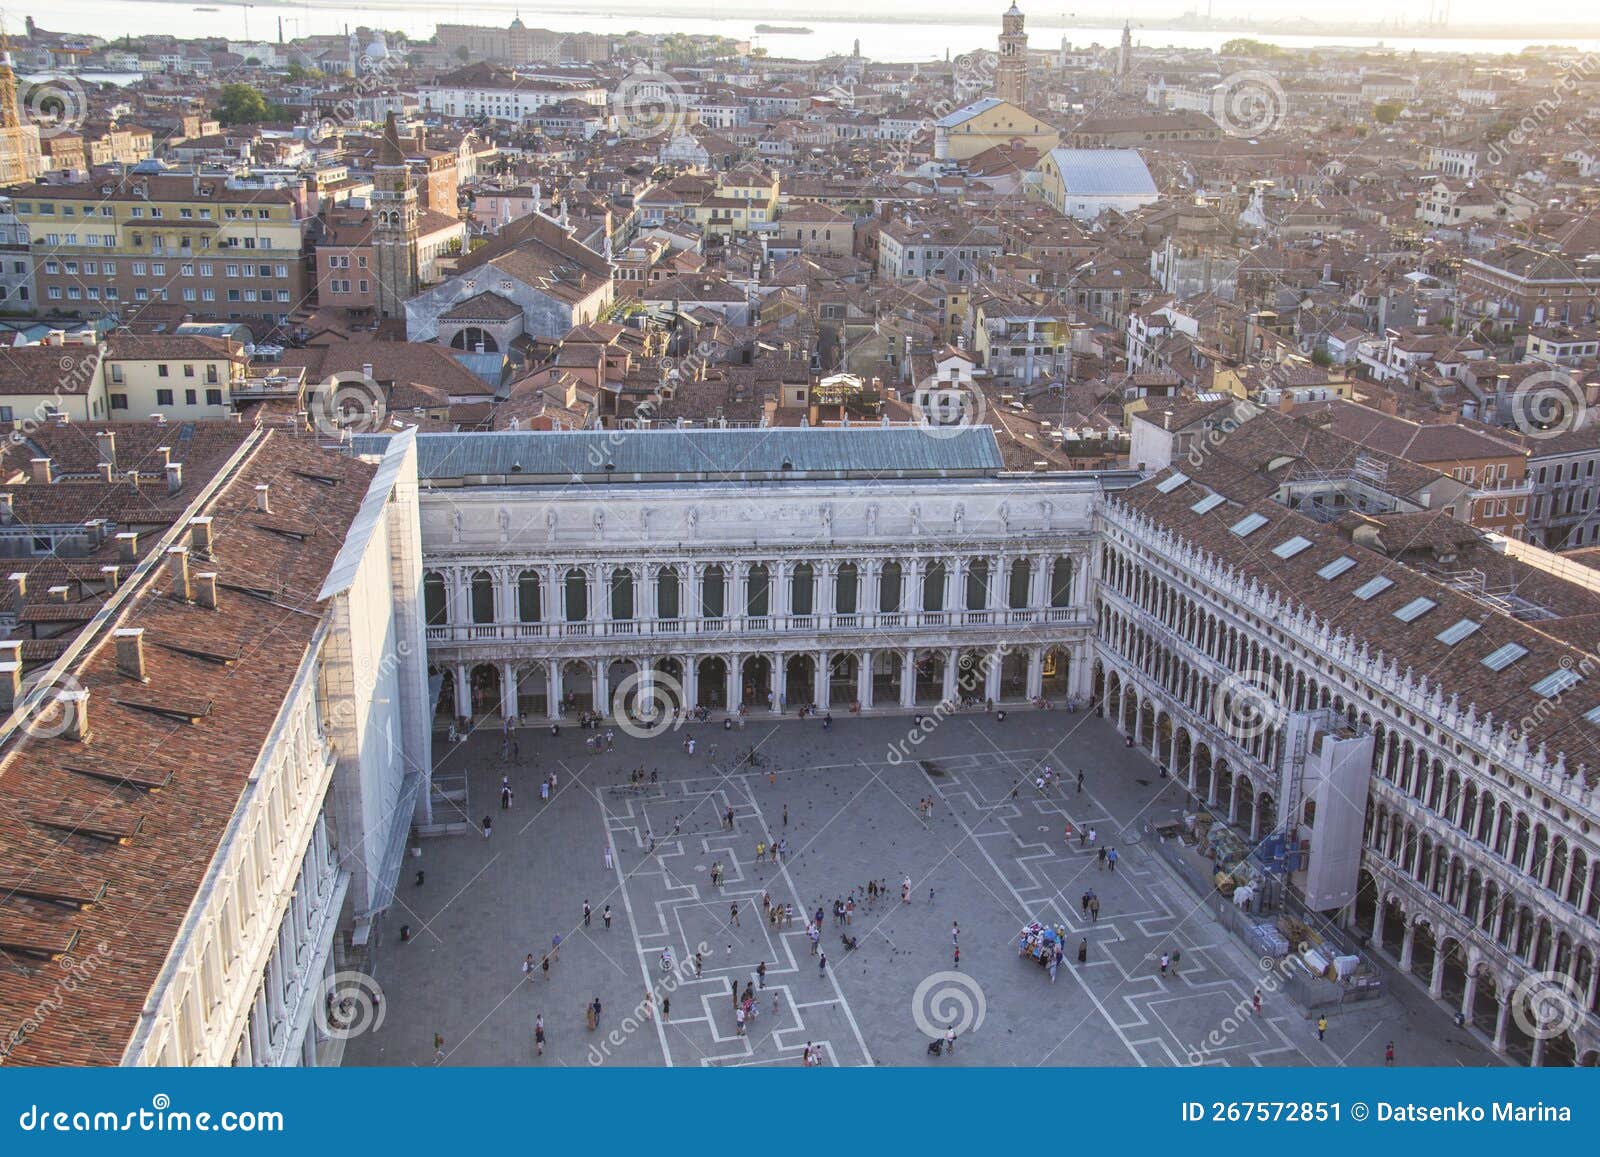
544	598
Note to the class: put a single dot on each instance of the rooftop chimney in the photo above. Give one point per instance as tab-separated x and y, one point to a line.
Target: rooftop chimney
200	535
7	510
10	674
128	546
58	594
366	370
106	471
205	592
107	441
178	567
264	498
166	455
43	471
112	576
19	590
75	714
130	652
133	479
174	477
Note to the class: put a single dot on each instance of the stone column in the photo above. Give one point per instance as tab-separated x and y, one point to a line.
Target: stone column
1035	672
870	576
908	678
691	680
820	679
1408	946
463	693
1436	980
864	679
991	677
602	685
948	692
552	683
1502	1023
1469	996
1039	581
911	589
825	600
1233	783
508	690
782	576
779	680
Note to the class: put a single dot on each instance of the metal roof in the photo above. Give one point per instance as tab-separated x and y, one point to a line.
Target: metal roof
1103	172
674	454
967	112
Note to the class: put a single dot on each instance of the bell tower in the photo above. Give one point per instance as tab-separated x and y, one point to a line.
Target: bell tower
394	225
1011	72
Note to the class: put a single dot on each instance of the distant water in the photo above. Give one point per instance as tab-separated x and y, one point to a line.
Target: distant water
881	41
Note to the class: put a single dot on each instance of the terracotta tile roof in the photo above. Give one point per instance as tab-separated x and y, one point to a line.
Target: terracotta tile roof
62	821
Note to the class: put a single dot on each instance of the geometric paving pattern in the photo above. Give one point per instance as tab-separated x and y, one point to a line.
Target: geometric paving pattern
992	858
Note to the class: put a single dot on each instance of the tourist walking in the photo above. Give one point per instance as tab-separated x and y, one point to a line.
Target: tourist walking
587	913
1111	859
488	827
822	964
609	864
1322	1026
605	915
538	1034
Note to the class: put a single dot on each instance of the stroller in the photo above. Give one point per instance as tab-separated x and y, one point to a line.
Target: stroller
941	1046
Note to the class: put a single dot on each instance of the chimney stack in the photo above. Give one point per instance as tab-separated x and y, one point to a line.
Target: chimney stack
178	567
112	576
19	590
174	477
206	589
166	455
133	479
107	441
75	713
264	498
43	471
107	471
200	535
130	652
10	674
128	546
58	594
8	510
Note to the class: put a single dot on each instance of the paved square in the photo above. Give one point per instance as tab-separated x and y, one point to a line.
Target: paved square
846	800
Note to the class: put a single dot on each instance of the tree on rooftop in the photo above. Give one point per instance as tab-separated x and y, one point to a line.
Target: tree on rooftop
1387	113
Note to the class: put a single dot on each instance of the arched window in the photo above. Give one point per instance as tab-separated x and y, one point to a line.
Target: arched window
1020	576
803	590
977	596
1061	582
530	598
577	596
933	588
622	593
845	586
482	597
435	600
714	592
758	588
667	597
889	587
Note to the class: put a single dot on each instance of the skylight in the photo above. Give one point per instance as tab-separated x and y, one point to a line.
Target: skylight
1291	548
1168	485
1337	567
1373	587
1502	657
1454	633
1556	682
1592	715
1209	503
1415	609
1249	524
